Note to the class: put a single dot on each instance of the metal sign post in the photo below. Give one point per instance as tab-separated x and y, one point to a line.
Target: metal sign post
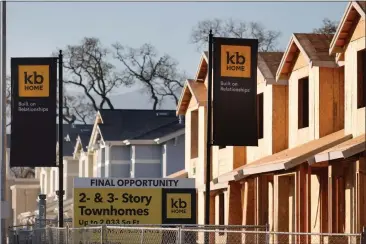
60	143
209	136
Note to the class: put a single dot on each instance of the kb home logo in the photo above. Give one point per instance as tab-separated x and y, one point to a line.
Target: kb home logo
178	206
33	80
235	61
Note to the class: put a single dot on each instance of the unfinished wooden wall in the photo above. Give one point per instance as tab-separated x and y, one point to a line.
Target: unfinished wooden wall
354	117
264	147
301	69
331	100
279	118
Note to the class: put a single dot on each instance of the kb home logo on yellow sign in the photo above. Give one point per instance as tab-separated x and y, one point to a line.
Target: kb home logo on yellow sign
34	81
235	61
179	206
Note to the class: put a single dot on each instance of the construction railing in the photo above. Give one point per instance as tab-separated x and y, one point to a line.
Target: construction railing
180	235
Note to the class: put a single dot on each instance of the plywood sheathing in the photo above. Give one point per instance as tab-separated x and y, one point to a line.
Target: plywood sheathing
354	11
191	89
331	100
235	210
290	158
343	150
314	49
280	122
284	207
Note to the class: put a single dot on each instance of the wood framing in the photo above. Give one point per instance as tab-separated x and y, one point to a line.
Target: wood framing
344	150
354	13
316	88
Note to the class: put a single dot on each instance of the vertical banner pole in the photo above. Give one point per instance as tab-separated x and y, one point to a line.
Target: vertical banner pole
3	121
209	131
60	143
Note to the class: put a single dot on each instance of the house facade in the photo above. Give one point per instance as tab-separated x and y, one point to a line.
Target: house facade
137	143
121	143
306	175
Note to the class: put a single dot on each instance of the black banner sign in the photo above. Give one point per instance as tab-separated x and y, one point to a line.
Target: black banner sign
234	92
33	112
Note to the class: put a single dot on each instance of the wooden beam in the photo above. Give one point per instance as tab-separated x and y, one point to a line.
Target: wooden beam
330	197
320	165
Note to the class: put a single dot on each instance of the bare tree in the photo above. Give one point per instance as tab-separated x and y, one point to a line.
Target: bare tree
22	172
87	67
76	108
159	75
328	27
230	28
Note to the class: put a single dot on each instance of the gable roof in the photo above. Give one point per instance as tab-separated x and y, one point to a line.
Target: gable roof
195	89
160	131
123	124
268	63
353	12
314	47
70	135
202	67
82	142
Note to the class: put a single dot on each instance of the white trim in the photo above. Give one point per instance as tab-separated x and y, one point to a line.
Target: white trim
213	187
227	177
170	136
94	130
263	168
345	153
95	146
76	150
13	187
202	59
117	162
358	8
218	186
146	161
272	81
340	25
25	180
102	145
114	143
139	142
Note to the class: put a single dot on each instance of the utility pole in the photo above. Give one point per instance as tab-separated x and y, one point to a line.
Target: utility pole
3	165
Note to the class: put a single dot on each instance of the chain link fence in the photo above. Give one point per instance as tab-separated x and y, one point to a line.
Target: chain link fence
179	234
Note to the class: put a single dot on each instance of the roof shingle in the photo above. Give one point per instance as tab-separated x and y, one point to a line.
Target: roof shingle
123	124
316	46
272	60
